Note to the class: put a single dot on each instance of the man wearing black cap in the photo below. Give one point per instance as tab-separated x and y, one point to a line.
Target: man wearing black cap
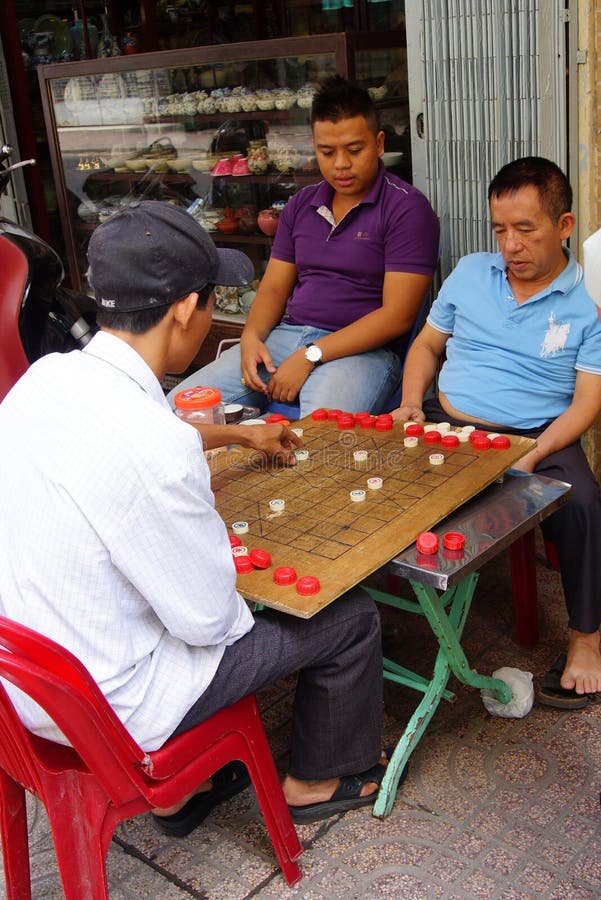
110	543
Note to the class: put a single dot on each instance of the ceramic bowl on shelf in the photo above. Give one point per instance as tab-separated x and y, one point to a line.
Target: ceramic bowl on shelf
267	220
137	165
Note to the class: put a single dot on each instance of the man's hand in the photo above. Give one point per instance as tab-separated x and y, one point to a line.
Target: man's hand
275	441
408	413
253	352
286	382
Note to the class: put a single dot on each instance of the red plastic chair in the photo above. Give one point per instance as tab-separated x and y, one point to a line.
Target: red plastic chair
14	273
105	778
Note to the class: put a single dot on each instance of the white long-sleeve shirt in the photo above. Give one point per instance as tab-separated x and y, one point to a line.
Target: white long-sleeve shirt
109	540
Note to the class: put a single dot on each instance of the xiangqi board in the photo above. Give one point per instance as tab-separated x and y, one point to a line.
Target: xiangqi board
321	529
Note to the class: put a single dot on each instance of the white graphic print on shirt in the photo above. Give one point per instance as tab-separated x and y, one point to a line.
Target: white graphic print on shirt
555	337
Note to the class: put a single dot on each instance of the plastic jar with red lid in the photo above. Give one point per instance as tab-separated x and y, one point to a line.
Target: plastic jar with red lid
200	405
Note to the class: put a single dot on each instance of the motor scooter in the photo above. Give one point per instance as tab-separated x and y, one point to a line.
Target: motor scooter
52	318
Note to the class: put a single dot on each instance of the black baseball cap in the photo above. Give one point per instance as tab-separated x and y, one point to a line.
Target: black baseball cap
152	253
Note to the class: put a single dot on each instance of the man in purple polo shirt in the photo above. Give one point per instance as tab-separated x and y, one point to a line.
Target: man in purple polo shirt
351	263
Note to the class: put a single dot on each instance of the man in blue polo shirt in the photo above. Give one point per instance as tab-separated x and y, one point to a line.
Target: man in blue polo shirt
523	353
351	263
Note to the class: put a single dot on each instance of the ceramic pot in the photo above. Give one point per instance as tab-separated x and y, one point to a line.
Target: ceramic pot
267	220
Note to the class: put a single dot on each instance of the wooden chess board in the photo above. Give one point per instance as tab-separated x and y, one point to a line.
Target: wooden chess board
321	531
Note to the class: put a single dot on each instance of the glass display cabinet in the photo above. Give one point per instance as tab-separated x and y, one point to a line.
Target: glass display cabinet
222	131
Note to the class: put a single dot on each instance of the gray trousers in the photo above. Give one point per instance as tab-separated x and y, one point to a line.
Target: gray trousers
337	716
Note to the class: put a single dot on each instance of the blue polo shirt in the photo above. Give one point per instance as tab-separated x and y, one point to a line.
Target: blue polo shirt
509	364
341	267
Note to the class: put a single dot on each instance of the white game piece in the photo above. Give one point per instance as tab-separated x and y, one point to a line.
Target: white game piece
467	429
298	431
430	427
493	434
443	427
240	527
410	441
301	455
375	483
407	424
436	459
357	496
239	551
464	436
360	455
277	505
253	422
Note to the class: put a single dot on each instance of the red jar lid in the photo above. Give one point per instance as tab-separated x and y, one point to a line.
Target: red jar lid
450	440
308	585
501	442
319	415
453	540
284	575
481	443
414	430
432	437
260	558
427	541
197	398
243	564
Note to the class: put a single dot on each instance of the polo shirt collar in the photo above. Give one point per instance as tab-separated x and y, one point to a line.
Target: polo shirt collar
565	281
120	355
325	192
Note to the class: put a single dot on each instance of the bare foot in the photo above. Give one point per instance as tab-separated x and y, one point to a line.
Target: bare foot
301	793
583	665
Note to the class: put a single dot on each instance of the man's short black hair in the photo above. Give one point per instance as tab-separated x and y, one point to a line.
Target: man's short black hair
142	320
554	190
338	98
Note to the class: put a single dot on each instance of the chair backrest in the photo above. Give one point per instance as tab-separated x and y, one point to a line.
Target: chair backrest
13	279
58	682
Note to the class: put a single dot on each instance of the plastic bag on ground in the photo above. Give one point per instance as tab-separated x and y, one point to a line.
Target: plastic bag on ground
522	690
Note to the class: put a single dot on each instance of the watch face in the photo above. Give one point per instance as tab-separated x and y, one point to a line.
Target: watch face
313	353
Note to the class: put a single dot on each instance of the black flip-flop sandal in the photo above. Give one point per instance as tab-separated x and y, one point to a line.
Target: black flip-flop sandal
227	782
347	796
551	693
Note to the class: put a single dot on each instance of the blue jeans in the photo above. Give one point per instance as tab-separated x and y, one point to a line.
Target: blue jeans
364	381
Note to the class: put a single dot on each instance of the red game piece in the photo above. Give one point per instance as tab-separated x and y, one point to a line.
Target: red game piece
450	440
414	430
275	417
346	420
481	443
427	541
319	415
362	415
308	585
333	414
501	442
260	558
453	540
243	564
367	422
284	575
432	437
383	424
478	433
235	541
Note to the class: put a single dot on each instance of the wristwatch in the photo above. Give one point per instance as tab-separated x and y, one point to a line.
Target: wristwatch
314	354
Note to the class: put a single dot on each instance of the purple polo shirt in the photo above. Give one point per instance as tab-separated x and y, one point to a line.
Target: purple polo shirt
341	267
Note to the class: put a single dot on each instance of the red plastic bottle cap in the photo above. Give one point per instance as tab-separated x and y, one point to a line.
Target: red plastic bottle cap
260	558
501	442
414	430
427	541
450	440
453	540
384	424
319	415
333	414
275	417
481	443
243	564
284	575
432	437
346	420
235	541
478	433
308	585
367	422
